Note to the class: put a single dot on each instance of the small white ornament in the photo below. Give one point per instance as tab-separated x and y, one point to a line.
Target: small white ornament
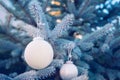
38	53
68	71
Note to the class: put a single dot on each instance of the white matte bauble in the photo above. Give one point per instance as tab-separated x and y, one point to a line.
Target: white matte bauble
38	53
68	71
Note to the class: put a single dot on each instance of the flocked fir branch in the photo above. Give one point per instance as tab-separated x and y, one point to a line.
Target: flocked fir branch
99	33
39	17
4	77
40	74
13	7
62	27
82	77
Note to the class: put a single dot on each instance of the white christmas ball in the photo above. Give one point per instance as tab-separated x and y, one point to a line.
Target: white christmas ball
68	71
38	53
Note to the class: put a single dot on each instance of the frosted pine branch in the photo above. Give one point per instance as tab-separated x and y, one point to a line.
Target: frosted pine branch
19	24
105	47
81	77
6	45
71	6
4	77
15	9
62	27
85	46
39	17
57	63
40	74
109	38
98	34
83	7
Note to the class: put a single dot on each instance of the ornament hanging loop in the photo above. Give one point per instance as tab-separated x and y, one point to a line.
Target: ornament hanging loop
69	54
70	46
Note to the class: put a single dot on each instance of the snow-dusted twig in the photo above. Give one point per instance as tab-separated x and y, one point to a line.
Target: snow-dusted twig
71	6
4	14
98	34
19	24
83	6
62	27
40	74
57	63
4	77
13	7
39	17
81	77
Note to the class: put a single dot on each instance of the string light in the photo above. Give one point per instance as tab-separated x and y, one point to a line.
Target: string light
57	3
55	13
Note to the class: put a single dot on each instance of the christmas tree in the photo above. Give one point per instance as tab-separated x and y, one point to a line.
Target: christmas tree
81	35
